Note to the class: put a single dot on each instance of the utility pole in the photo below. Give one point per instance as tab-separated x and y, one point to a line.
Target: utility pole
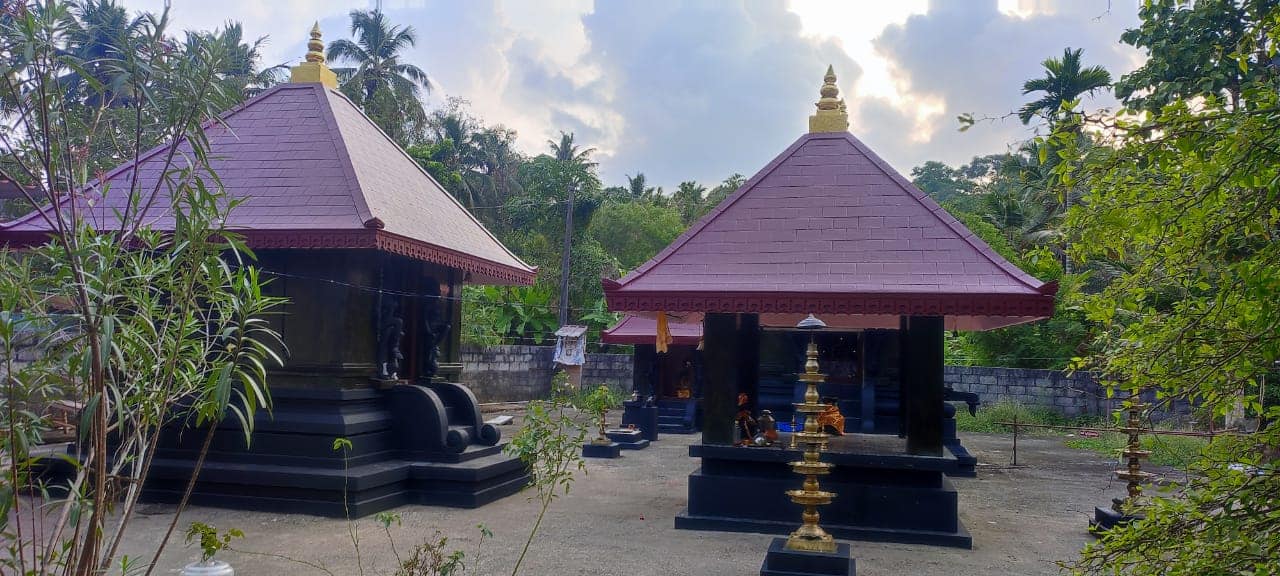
564	256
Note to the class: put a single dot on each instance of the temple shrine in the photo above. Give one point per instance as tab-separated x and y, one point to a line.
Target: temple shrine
829	228
371	253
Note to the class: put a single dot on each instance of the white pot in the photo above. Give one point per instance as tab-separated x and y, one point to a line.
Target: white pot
210	568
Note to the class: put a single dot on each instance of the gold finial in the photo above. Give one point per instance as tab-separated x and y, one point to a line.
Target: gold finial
314	68
832	115
315	48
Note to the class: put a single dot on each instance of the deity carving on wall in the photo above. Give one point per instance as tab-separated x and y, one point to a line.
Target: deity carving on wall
435	328
390	332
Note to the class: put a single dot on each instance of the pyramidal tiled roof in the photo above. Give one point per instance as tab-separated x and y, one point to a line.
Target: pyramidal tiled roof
317	173
828	227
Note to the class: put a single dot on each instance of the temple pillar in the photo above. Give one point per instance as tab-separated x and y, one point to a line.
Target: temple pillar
748	358
451	347
644	371
922	384
721	360
905	368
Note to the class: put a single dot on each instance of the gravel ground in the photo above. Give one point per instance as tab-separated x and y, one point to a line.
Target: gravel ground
618	519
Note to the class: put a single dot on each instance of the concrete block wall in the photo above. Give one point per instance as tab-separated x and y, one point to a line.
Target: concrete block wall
517	373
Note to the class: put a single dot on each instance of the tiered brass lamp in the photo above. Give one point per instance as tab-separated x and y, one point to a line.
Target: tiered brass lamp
810	537
1133	474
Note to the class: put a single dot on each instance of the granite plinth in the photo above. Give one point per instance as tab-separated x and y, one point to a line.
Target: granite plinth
780	561
610	450
882	494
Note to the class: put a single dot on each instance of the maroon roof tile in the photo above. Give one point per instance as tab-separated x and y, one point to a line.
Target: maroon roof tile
316	173
829	227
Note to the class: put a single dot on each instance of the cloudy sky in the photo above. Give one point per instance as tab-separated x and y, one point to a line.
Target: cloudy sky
697	90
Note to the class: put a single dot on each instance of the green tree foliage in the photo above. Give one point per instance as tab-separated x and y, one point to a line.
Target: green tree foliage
380	82
941	182
147	329
689	198
477	164
1182	203
634	232
1198	49
722	191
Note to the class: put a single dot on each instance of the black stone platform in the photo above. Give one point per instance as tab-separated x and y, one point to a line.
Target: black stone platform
409	445
643	416
782	562
593	450
883	494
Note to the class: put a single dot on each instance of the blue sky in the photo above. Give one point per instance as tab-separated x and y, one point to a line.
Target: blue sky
697	90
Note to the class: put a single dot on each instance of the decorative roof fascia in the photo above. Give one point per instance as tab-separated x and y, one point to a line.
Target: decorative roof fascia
340	240
419	250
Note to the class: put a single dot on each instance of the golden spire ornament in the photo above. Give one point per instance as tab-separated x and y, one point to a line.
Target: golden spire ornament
832	115
810	537
314	68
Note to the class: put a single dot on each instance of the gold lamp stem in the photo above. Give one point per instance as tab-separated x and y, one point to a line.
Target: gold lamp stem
810	537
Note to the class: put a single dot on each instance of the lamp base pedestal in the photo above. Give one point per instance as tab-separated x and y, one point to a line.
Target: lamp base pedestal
783	562
1105	519
593	450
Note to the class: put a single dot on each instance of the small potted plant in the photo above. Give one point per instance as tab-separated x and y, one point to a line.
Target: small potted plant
598	403
210	542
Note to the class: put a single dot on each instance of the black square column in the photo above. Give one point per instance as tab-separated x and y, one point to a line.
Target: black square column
922	384
747	354
720	341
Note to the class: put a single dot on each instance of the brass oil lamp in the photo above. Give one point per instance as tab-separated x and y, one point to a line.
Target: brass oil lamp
810	537
1132	473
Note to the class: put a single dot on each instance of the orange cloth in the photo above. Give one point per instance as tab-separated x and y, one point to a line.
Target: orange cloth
833	418
663	333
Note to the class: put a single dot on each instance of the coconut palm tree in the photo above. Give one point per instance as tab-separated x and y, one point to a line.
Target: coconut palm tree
566	151
574	163
1064	81
380	82
639	189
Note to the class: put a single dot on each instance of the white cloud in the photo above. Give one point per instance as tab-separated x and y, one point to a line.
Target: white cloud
698	89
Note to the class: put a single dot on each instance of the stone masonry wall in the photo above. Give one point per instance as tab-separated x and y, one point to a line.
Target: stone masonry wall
1071	395
516	373
1075	394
